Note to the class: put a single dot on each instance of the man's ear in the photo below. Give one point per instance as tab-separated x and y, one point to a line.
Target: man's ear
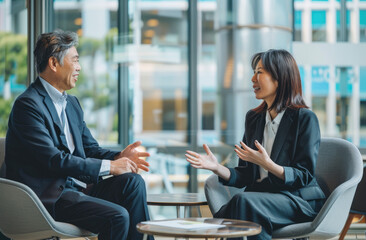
52	63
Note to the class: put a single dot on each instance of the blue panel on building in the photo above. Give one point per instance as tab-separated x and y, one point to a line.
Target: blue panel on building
319	80
363	17
363	82
344	82
318	19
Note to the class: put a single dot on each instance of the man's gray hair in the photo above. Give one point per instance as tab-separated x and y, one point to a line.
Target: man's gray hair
53	44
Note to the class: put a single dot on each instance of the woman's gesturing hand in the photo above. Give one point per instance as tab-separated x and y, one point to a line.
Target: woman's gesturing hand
208	161
259	157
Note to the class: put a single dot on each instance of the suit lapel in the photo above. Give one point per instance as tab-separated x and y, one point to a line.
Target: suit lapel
48	102
282	133
258	135
74	128
52	110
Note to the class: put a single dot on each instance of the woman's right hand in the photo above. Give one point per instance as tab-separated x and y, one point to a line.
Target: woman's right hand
208	161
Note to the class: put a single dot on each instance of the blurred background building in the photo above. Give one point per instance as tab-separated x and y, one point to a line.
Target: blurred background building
176	73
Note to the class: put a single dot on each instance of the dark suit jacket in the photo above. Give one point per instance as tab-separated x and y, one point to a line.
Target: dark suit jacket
295	148
36	149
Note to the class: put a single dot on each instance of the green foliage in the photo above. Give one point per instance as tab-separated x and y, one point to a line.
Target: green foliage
88	46
109	42
13	57
13	61
5	108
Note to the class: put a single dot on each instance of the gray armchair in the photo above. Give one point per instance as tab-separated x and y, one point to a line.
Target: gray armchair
338	171
23	216
358	206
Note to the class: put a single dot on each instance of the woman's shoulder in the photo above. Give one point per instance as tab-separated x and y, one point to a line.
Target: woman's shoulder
252	114
306	113
305	116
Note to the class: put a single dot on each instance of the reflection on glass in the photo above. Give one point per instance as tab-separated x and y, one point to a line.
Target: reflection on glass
158	72
298	23
318	22
362	25
339	25
320	91
97	83
344	76
207	75
13	58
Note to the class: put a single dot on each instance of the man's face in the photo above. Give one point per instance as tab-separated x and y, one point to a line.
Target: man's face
68	73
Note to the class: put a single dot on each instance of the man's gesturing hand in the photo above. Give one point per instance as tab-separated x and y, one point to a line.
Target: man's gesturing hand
123	165
131	153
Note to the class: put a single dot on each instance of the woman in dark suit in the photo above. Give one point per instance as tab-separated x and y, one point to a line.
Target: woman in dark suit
278	152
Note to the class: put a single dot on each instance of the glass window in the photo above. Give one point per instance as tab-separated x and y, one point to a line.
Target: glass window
207	78
13	57
339	24
318	22
207	75
363	107
344	78
362	25
158	73
97	83
156	55
298	25
320	90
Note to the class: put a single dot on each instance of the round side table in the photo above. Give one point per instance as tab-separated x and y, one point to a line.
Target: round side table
231	228
178	199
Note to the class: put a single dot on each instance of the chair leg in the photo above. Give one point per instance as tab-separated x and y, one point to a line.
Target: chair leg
346	226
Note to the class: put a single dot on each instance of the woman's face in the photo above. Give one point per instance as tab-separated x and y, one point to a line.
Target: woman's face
265	87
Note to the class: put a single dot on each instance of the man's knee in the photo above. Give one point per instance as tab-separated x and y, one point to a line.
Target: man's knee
131	178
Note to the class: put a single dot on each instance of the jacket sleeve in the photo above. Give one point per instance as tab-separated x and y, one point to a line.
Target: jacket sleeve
300	171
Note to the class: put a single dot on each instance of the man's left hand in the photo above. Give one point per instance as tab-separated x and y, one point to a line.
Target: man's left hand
132	153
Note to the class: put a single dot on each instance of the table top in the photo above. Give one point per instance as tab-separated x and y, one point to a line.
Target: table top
176	199
233	228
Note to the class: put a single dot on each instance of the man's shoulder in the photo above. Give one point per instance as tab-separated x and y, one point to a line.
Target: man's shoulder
29	95
73	100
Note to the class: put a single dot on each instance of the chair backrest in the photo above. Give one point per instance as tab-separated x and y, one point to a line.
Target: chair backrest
338	161
22	214
359	201
2	157
338	171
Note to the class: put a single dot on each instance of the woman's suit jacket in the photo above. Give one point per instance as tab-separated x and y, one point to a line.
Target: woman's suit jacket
36	148
295	148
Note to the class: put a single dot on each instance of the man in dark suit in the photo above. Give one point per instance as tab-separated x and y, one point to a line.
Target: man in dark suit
50	149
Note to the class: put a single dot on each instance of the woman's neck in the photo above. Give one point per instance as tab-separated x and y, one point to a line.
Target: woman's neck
273	114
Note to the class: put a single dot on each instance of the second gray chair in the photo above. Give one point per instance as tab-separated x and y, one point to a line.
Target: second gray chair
23	216
358	206
338	171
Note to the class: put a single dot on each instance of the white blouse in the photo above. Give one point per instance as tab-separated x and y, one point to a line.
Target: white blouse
269	134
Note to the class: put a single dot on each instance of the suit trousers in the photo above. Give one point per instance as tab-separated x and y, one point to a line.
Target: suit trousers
271	210
112	208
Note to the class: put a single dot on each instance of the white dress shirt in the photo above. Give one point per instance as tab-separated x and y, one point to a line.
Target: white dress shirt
269	135
59	100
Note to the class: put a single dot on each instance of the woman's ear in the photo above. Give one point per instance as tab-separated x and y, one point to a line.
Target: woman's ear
52	63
